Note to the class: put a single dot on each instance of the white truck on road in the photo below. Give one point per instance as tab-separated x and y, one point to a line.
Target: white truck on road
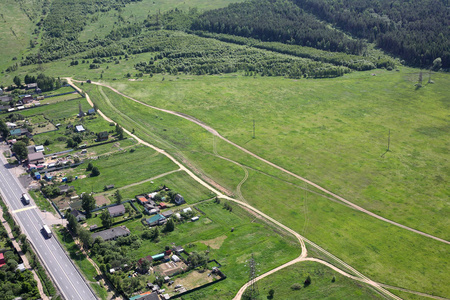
25	198
47	231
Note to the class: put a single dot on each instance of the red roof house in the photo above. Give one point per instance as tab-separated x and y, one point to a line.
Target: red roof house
142	199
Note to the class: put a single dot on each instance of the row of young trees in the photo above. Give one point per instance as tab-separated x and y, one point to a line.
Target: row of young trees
195	55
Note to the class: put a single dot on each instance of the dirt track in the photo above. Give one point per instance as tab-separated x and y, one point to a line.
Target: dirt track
301	239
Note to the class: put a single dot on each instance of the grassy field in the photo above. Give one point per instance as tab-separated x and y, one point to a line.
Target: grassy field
138	12
58	111
121	168
329	224
16	28
298	122
179	182
321	286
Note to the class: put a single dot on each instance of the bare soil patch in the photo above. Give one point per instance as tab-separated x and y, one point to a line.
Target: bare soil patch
215	243
170	268
101	200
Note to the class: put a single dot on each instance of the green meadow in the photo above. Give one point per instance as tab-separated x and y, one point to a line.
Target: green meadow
286	282
179	182
121	168
334	132
381	251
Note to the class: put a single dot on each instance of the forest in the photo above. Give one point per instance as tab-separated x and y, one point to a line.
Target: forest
276	21
416	33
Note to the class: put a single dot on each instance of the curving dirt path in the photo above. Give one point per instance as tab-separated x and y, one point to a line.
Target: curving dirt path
300	238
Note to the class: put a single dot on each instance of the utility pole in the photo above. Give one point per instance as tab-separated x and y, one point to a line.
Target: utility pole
252	292
389	140
253	128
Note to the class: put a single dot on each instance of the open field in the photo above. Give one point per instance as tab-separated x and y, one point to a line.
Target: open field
121	169
179	182
380	260
16	28
58	111
138	12
321	286
298	122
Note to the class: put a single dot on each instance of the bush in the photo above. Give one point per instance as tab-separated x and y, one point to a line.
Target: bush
296	287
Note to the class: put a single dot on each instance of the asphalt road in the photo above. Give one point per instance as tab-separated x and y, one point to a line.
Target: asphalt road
69	281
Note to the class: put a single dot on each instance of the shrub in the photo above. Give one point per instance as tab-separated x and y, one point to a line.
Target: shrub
296	287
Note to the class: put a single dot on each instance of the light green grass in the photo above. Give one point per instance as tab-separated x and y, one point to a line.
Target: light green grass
121	169
80	260
138	12
58	111
179	182
333	131
368	252
16	29
321	286
41	202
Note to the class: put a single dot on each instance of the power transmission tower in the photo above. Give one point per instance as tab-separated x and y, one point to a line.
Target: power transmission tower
252	292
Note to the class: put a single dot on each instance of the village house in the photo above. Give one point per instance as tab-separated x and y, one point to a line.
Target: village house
27	99
102	136
91	111
78	215
19	132
156	220
112	233
142	199
36	158
6	98
116	210
179	199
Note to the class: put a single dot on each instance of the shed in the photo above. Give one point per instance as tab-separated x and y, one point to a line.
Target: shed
187	209
153	211
194	219
30	86
37	175
162	205
91	111
79	128
175	258
167	214
39	148
158	256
